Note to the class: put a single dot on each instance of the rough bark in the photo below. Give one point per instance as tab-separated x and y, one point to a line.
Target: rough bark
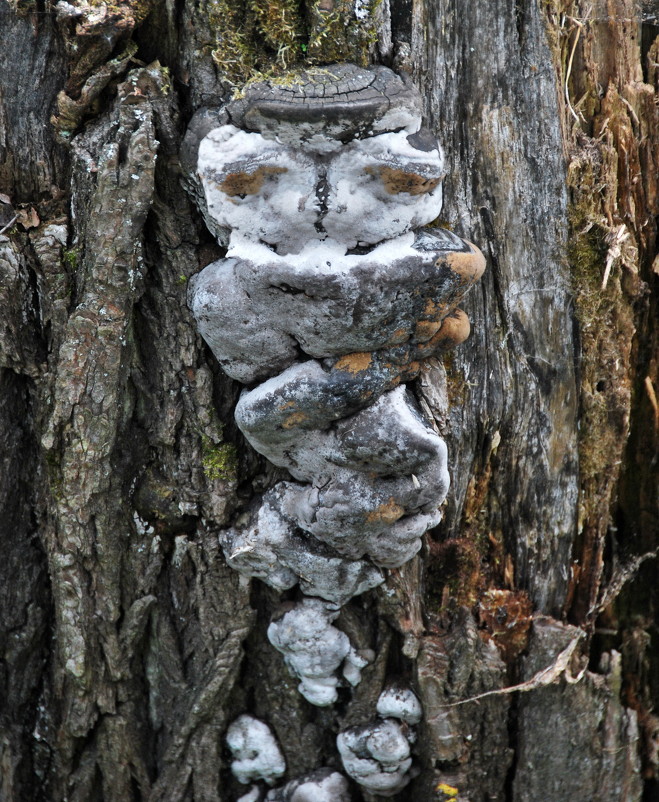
127	643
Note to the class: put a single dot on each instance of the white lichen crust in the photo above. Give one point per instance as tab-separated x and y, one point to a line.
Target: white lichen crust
256	754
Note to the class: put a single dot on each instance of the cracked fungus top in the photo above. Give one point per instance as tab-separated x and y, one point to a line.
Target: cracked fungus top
327	106
335	154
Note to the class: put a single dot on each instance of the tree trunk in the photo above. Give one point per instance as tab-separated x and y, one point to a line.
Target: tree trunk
128	645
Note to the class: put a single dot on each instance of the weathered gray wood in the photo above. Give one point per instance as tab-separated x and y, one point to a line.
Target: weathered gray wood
33	66
588	713
491	94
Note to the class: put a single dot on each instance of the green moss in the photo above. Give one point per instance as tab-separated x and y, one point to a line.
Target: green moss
231	50
283	30
337	35
219	461
254	40
71	258
600	314
586	253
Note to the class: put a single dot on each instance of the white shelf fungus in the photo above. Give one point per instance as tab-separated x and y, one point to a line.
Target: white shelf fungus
397	701
315	651
256	754
377	756
329	300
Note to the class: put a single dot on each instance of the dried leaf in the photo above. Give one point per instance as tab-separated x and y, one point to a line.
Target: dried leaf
28	218
621	576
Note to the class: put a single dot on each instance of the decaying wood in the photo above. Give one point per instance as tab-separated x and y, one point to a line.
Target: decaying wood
127	644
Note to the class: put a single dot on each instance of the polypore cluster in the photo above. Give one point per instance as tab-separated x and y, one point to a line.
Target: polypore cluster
314	650
329	299
377	754
256	754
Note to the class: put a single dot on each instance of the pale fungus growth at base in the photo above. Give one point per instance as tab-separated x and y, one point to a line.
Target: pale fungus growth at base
315	651
323	785
377	756
397	701
256	753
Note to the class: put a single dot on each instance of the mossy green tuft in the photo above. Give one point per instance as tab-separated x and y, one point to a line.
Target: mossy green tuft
219	461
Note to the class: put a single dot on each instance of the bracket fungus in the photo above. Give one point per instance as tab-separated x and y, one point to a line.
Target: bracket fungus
377	756
314	650
265	543
256	754
398	701
322	785
329	299
334	292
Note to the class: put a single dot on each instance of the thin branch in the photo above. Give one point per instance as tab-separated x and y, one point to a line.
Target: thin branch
9	224
580	24
544	677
